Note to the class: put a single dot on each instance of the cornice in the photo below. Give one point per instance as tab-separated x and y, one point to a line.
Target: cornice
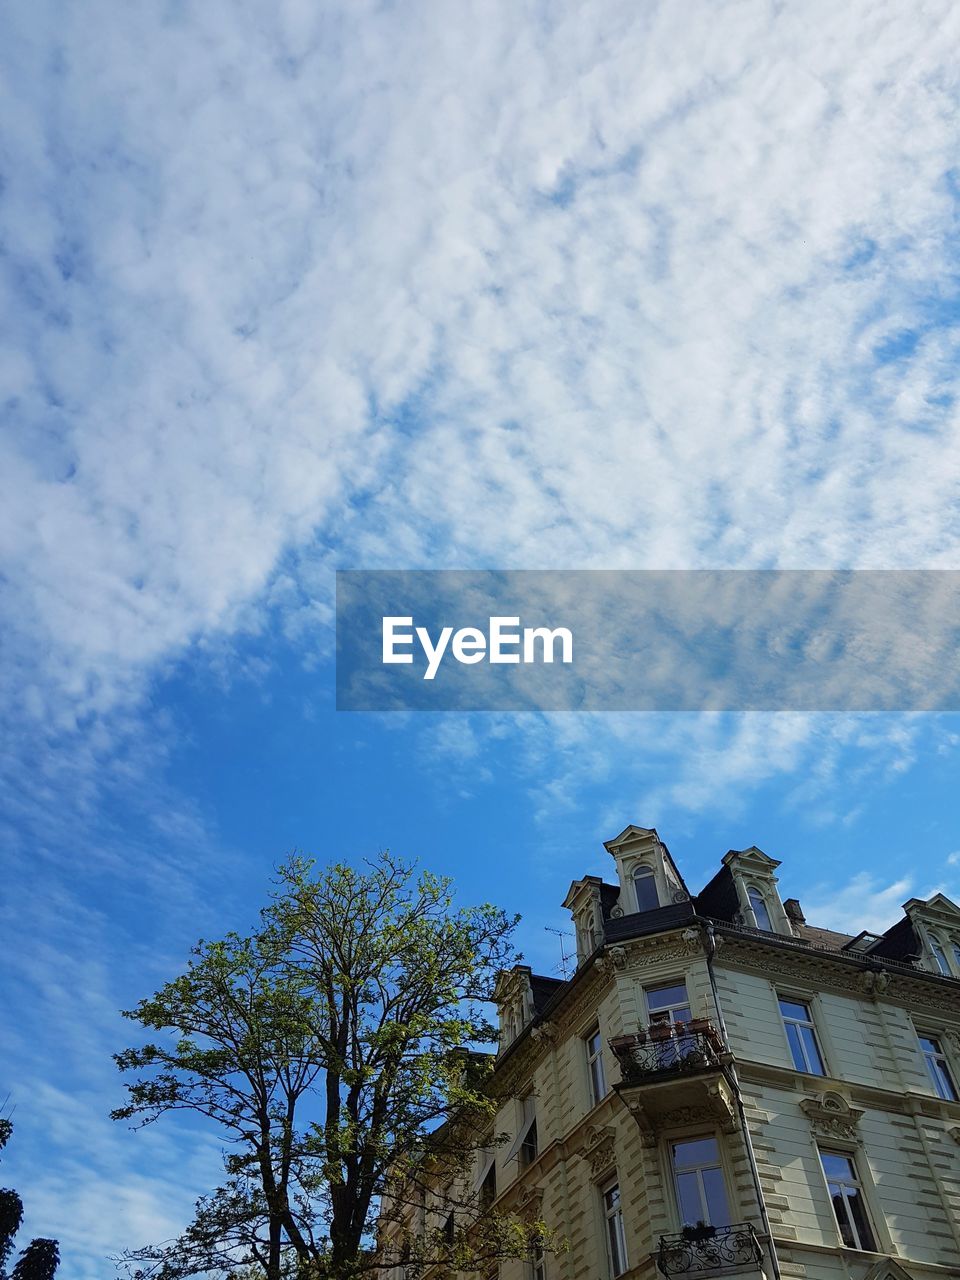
867	977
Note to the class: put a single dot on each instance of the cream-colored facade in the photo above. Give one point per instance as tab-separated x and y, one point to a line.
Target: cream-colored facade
723	1089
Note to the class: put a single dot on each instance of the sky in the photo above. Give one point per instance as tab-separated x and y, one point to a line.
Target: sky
289	288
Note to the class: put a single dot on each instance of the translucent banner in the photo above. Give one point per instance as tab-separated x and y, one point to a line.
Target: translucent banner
657	640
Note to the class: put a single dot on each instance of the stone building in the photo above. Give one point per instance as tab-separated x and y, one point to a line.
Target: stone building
724	1089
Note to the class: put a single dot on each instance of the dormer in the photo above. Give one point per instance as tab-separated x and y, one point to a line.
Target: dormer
648	875
584	901
513	996
936	923
759	905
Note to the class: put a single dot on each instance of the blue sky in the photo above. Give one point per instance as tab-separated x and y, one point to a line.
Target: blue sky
289	288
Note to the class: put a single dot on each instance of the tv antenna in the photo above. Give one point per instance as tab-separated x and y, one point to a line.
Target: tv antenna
564	964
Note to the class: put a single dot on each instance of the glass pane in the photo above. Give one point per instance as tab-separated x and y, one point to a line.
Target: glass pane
796	1049
611	1199
715	1193
793	1009
664	997
835	1166
928	1045
814	1061
646	886
843	1222
692	1208
593	1044
696	1153
942	1080
859	1215
760	912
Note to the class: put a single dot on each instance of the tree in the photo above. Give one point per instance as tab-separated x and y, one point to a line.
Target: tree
328	1048
40	1259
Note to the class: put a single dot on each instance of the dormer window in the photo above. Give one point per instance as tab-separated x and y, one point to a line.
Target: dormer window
758	906
645	888
956	953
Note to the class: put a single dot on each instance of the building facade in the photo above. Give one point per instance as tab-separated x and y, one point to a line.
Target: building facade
722	1089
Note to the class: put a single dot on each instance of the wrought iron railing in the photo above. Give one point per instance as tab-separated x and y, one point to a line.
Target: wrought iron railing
708	1249
667	1047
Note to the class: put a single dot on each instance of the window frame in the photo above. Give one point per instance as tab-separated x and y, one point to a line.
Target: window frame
644	871
618	1229
753	889
721	1164
807	1002
595	1060
939	955
661	985
942	1058
859	1183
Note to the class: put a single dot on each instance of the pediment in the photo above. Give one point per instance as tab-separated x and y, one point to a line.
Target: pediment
938	909
630	834
888	1269
752	859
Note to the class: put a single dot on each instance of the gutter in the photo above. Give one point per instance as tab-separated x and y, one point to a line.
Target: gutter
710	946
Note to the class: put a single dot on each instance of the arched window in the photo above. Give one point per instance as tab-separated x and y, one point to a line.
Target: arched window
645	885
956	953
759	907
940	956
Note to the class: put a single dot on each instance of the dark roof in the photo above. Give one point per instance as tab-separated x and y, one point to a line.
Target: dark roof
900	942
609	897
718	899
643	922
543	990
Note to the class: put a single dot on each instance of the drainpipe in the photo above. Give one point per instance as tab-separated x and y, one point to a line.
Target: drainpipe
710	942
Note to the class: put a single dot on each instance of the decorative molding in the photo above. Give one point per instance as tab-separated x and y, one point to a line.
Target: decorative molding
955	1134
530	1204
599	1148
546	1031
873	982
831	1116
823	968
617	912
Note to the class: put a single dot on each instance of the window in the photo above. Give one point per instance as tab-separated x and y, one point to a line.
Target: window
758	906
525	1144
938	1067
598	1082
802	1036
698	1177
528	1147
668	1003
538	1265
485	1183
616	1240
847	1196
940	956
645	886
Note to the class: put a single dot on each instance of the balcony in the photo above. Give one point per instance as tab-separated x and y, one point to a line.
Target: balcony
696	1249
673	1073
668	1048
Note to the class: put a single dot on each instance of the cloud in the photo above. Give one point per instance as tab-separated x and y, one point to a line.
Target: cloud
863	902
580	291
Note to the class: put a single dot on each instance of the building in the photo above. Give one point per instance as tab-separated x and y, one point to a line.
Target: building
724	1089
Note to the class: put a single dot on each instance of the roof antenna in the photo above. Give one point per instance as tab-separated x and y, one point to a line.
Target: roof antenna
564	965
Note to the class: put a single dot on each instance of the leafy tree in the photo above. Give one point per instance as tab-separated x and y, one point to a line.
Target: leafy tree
40	1259
327	1048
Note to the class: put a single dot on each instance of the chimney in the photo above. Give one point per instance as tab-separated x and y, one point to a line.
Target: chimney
794	913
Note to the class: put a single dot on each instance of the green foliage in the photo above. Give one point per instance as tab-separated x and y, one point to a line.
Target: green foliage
40	1259
327	1048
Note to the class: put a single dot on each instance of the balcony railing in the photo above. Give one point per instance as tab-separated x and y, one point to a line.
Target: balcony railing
709	1249
667	1048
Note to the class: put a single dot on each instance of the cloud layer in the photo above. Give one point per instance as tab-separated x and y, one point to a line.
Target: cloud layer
606	287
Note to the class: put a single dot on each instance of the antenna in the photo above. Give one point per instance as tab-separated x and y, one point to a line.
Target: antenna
564	965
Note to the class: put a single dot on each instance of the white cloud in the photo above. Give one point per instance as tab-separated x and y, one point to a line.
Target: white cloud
863	902
595	290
